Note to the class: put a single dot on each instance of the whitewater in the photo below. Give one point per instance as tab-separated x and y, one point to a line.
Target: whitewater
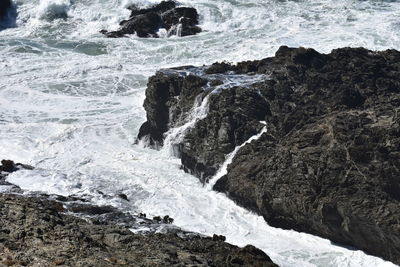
71	104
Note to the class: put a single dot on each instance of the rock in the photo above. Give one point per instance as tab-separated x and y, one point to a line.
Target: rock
8	14
329	162
181	21
162	103
147	22
7	167
5	5
123	196
157	219
36	232
171	96
146	25
160	8
219	238
167	219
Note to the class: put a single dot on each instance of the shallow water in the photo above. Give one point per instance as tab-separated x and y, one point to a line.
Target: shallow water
71	104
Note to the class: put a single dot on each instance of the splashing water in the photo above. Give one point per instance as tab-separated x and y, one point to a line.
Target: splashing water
175	135
229	158
71	104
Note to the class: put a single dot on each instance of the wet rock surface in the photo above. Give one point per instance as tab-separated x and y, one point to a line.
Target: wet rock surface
329	162
173	95
52	230
7	167
36	231
180	21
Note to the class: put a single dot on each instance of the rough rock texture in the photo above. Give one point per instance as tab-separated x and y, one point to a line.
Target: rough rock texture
173	94
181	21
35	232
52	230
330	162
7	167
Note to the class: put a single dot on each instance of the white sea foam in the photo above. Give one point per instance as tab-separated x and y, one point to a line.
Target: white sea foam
71	104
53	9
229	158
176	134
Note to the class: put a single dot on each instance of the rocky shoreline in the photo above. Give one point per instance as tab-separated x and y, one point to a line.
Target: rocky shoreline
329	162
52	230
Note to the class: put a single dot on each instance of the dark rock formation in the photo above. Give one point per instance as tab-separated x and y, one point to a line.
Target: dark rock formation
171	96
8	14
10	166
330	162
52	230
7	167
35	231
181	21
5	5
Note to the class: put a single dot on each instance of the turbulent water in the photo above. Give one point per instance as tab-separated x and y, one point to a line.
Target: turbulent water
71	104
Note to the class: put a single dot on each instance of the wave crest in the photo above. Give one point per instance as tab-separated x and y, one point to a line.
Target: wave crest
53	9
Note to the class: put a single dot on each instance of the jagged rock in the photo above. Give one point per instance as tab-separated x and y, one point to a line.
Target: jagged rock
219	238
123	196
145	25
172	95
147	22
160	8
329	162
168	219
7	167
35	232
163	105
10	166
157	219
181	21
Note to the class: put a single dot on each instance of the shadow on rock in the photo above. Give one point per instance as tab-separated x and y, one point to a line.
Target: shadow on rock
179	21
329	163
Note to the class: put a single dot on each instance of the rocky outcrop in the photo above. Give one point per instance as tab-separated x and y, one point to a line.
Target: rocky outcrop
171	99
5	5
36	232
7	167
329	163
52	230
8	14
180	21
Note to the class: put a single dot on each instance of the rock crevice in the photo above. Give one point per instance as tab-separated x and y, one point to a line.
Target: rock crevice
329	163
52	230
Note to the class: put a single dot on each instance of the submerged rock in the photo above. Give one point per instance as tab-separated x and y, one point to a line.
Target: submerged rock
35	231
329	162
180	21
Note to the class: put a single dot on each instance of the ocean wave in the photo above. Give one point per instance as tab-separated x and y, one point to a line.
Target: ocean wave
54	9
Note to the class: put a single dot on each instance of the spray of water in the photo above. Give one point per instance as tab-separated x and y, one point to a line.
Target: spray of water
71	104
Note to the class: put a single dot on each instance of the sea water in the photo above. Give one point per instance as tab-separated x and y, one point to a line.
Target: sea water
71	104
